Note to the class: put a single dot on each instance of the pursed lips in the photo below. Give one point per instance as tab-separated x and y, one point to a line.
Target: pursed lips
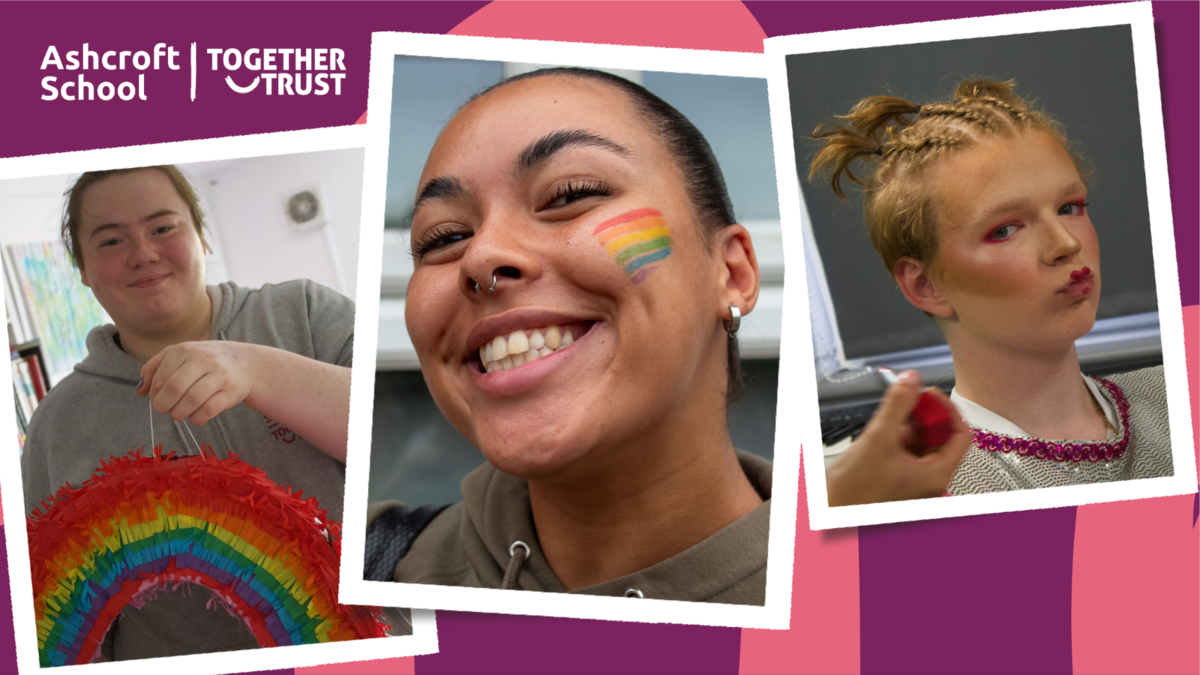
1081	282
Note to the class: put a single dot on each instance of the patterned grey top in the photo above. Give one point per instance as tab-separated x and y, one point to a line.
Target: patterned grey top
1148	454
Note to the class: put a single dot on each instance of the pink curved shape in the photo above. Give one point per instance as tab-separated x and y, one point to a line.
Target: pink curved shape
824	634
1191	341
362	118
720	26
1135	591
400	666
1135	588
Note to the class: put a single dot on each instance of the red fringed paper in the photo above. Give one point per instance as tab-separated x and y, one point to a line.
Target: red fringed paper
141	521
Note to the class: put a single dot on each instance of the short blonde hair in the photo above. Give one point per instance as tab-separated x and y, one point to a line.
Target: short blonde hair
900	140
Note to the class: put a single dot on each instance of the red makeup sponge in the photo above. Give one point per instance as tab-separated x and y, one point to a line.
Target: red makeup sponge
931	420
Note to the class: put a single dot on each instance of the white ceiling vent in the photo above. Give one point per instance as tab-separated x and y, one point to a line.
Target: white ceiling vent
305	208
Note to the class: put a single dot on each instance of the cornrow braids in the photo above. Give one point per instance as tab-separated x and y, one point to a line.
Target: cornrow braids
899	141
968	115
920	144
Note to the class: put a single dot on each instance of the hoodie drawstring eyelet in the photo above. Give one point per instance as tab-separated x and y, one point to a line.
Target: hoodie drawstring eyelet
519	552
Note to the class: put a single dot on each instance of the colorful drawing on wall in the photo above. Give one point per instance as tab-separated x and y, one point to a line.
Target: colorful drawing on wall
61	308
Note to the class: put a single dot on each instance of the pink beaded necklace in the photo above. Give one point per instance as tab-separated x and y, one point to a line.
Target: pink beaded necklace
1060	451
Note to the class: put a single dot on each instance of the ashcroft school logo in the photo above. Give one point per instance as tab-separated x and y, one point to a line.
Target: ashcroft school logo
260	71
84	88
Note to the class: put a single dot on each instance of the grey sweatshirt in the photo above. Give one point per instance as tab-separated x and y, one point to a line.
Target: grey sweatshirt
468	545
95	413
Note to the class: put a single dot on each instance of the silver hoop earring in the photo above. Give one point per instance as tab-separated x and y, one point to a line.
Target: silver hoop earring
732	325
492	289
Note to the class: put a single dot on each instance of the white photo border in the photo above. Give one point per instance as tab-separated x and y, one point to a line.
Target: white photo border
1141	21
777	611
424	637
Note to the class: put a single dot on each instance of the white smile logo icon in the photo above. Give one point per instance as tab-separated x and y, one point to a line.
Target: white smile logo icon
241	90
285	72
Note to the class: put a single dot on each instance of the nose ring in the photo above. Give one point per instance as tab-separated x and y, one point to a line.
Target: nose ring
491	289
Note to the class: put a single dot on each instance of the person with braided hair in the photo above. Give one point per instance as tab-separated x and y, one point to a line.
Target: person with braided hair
978	207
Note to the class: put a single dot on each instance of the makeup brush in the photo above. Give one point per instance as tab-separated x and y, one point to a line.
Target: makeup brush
929	419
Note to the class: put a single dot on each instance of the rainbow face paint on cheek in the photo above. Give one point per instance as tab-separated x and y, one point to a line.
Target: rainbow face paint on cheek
638	241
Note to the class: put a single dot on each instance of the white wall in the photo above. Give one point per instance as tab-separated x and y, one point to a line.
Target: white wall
30	209
245	202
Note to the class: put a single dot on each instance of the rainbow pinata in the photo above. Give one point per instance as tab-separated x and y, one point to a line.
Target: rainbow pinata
142	522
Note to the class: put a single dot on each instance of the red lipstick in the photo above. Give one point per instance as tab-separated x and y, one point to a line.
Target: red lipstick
1081	283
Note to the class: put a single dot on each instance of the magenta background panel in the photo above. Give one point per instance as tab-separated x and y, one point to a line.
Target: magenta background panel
8	644
168	114
478	643
958	595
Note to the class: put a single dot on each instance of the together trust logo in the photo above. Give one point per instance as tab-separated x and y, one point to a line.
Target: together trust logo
260	71
284	72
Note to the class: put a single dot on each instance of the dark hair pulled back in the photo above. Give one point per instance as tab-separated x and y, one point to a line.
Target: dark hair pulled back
693	156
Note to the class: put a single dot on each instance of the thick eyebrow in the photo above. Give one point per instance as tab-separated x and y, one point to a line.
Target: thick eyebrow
545	147
114	226
1016	204
442	187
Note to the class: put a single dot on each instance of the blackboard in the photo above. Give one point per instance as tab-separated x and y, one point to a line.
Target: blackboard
1084	78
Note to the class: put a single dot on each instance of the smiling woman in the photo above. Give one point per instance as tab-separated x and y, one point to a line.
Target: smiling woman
578	280
261	373
979	208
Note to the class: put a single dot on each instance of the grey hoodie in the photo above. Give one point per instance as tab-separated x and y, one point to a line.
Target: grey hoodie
95	413
468	545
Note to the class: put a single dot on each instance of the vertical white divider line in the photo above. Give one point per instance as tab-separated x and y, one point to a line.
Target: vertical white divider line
193	71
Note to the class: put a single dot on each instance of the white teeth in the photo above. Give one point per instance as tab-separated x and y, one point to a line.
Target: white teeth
505	352
518	343
499	348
